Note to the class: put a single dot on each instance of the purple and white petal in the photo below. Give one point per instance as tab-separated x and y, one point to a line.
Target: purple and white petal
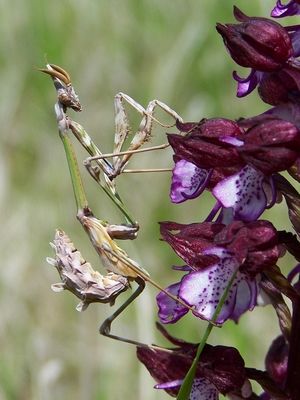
188	181
232	140
246	295
204	289
169	385
246	85
169	311
202	389
244	193
285	10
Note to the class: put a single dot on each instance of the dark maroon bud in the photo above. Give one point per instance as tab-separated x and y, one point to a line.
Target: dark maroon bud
254	244
214	127
221	366
190	240
280	87
207	143
258	43
271	146
277	360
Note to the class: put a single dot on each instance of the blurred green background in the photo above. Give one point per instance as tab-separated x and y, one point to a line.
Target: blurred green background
164	49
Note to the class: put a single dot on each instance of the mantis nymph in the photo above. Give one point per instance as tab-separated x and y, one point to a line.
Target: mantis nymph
77	275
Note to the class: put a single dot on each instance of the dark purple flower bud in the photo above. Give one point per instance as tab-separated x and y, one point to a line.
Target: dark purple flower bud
285	10
271	146
190	241
207	144
277	360
214	127
288	112
280	87
220	369
254	245
258	43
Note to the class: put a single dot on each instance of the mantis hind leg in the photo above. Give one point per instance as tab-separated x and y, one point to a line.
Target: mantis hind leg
106	325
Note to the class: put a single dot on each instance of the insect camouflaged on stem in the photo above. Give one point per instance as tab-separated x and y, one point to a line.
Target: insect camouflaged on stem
102	234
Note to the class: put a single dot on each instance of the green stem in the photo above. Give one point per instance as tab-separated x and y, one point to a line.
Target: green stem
186	386
79	193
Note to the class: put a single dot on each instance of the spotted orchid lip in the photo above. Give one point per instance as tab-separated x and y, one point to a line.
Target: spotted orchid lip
244	193
203	290
235	248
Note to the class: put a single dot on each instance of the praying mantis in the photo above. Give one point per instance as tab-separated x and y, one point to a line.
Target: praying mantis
77	275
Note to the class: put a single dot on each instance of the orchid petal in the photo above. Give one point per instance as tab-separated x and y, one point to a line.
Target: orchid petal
204	289
170	311
202	389
246	296
284	10
246	85
169	385
244	193
188	181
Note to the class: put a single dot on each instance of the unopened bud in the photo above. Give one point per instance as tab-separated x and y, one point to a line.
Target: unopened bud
280	87
277	360
258	43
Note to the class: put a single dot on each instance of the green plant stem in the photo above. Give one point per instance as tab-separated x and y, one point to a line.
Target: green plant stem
186	386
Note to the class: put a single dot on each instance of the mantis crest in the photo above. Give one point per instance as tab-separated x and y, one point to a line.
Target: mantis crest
76	274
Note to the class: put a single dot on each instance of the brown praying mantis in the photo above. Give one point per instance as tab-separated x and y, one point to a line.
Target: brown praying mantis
76	274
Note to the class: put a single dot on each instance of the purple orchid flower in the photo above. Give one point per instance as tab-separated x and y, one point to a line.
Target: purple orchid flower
286	10
213	253
235	161
270	50
220	369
